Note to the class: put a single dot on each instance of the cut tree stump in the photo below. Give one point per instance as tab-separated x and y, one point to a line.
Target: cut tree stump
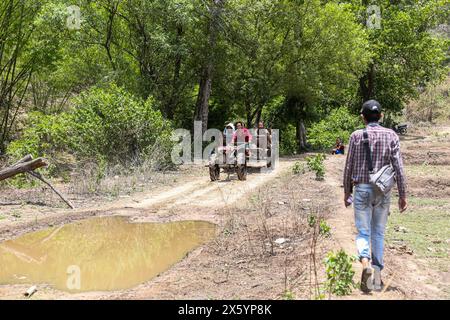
28	165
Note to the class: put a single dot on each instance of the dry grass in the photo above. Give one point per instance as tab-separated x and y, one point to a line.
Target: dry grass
433	105
268	242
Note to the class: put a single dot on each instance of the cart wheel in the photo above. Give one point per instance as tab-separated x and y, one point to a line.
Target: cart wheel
269	158
242	172
214	173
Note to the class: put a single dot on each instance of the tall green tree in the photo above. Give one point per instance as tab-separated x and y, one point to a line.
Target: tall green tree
407	55
327	53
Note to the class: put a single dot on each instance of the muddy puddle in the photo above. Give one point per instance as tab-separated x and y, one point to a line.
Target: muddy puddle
99	254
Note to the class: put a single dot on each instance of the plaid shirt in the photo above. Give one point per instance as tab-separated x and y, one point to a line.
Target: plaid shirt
385	148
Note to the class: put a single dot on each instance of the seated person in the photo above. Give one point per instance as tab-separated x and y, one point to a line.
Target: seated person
242	134
261	130
228	133
339	147
264	137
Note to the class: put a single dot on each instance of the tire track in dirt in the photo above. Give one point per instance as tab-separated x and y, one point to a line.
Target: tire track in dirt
200	199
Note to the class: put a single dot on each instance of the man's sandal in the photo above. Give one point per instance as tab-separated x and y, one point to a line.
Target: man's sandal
367	280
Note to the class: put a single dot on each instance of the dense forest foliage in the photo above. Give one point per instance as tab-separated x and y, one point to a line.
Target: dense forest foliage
107	80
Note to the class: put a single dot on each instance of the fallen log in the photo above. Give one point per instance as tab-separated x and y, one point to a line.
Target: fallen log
28	165
22	167
27	158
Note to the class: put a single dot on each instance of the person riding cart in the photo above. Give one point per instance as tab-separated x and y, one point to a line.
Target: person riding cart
263	141
242	134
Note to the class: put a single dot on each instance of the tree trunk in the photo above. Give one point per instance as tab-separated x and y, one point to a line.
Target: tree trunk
301	135
258	116
112	10
173	99
204	91
366	84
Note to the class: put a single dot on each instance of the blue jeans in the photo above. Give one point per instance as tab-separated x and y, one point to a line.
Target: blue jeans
371	214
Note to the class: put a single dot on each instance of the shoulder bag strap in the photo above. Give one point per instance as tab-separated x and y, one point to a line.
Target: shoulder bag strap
367	149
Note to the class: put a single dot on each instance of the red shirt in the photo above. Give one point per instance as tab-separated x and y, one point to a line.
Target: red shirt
242	135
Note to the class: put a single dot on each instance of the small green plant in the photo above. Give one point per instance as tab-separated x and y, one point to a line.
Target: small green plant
299	168
315	163
339	270
312	220
288	295
319	296
324	229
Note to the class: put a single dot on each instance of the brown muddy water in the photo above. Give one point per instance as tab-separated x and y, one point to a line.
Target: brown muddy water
99	254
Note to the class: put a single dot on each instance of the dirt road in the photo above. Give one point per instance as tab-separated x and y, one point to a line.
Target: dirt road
195	198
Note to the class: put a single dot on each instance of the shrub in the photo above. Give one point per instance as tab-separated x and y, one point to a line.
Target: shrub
315	163
288	140
339	270
324	229
340	123
299	168
118	127
105	125
45	136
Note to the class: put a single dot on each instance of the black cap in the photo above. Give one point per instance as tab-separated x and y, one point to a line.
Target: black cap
371	107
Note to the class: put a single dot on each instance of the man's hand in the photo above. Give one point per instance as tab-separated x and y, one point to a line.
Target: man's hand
402	204
347	199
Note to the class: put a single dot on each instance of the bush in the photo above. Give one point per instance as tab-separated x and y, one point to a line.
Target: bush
315	163
118	127
44	136
105	125
288	140
340	123
339	270
299	168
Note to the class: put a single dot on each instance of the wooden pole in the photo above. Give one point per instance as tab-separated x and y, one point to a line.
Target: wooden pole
37	175
27	165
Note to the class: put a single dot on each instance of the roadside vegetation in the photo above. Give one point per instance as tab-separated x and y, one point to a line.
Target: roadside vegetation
105	90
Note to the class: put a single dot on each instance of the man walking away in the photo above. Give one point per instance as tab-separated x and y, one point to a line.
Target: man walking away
371	205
